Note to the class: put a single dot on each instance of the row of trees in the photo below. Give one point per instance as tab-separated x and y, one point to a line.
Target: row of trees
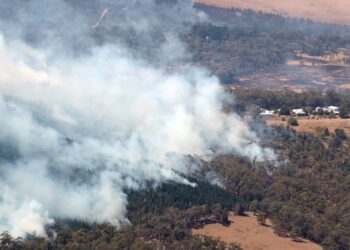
285	100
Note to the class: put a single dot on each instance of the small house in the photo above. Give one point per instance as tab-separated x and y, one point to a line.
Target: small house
333	109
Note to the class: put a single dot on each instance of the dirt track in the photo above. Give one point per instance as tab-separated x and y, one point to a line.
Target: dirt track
328	11
246	231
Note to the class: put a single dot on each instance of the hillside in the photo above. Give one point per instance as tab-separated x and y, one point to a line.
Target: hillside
145	125
336	11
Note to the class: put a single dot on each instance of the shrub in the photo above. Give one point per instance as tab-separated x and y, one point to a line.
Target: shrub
340	133
293	122
325	132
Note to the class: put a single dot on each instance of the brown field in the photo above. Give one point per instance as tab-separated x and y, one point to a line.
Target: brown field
328	11
246	231
315	126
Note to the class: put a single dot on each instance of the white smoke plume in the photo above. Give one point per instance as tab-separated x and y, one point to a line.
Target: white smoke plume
78	130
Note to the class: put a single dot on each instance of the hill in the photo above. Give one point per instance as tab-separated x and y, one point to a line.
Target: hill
336	11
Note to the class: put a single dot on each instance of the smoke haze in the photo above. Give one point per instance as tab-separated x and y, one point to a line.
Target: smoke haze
85	115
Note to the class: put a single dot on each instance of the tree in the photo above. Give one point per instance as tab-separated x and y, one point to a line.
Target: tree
228	78
343	112
278	228
294	233
239	210
293	121
332	97
254	206
284	111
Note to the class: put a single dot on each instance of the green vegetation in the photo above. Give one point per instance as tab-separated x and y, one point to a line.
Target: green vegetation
292	121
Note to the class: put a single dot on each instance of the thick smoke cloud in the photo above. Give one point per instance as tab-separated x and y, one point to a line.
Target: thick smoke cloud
85	117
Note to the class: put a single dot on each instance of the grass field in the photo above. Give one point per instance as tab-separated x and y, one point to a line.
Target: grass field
328	11
246	231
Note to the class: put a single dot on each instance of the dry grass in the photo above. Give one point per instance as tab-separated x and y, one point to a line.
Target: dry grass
328	11
246	231
315	126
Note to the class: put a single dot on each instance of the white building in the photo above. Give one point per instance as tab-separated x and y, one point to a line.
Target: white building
266	113
299	112
329	109
333	109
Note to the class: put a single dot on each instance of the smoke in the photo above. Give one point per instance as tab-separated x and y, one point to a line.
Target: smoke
85	117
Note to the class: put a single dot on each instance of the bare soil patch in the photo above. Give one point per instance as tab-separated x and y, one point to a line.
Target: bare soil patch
246	231
327	11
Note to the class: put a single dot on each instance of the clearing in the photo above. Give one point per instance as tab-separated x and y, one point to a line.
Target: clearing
327	11
246	231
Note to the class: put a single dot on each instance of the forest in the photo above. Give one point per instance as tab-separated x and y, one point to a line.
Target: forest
304	193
